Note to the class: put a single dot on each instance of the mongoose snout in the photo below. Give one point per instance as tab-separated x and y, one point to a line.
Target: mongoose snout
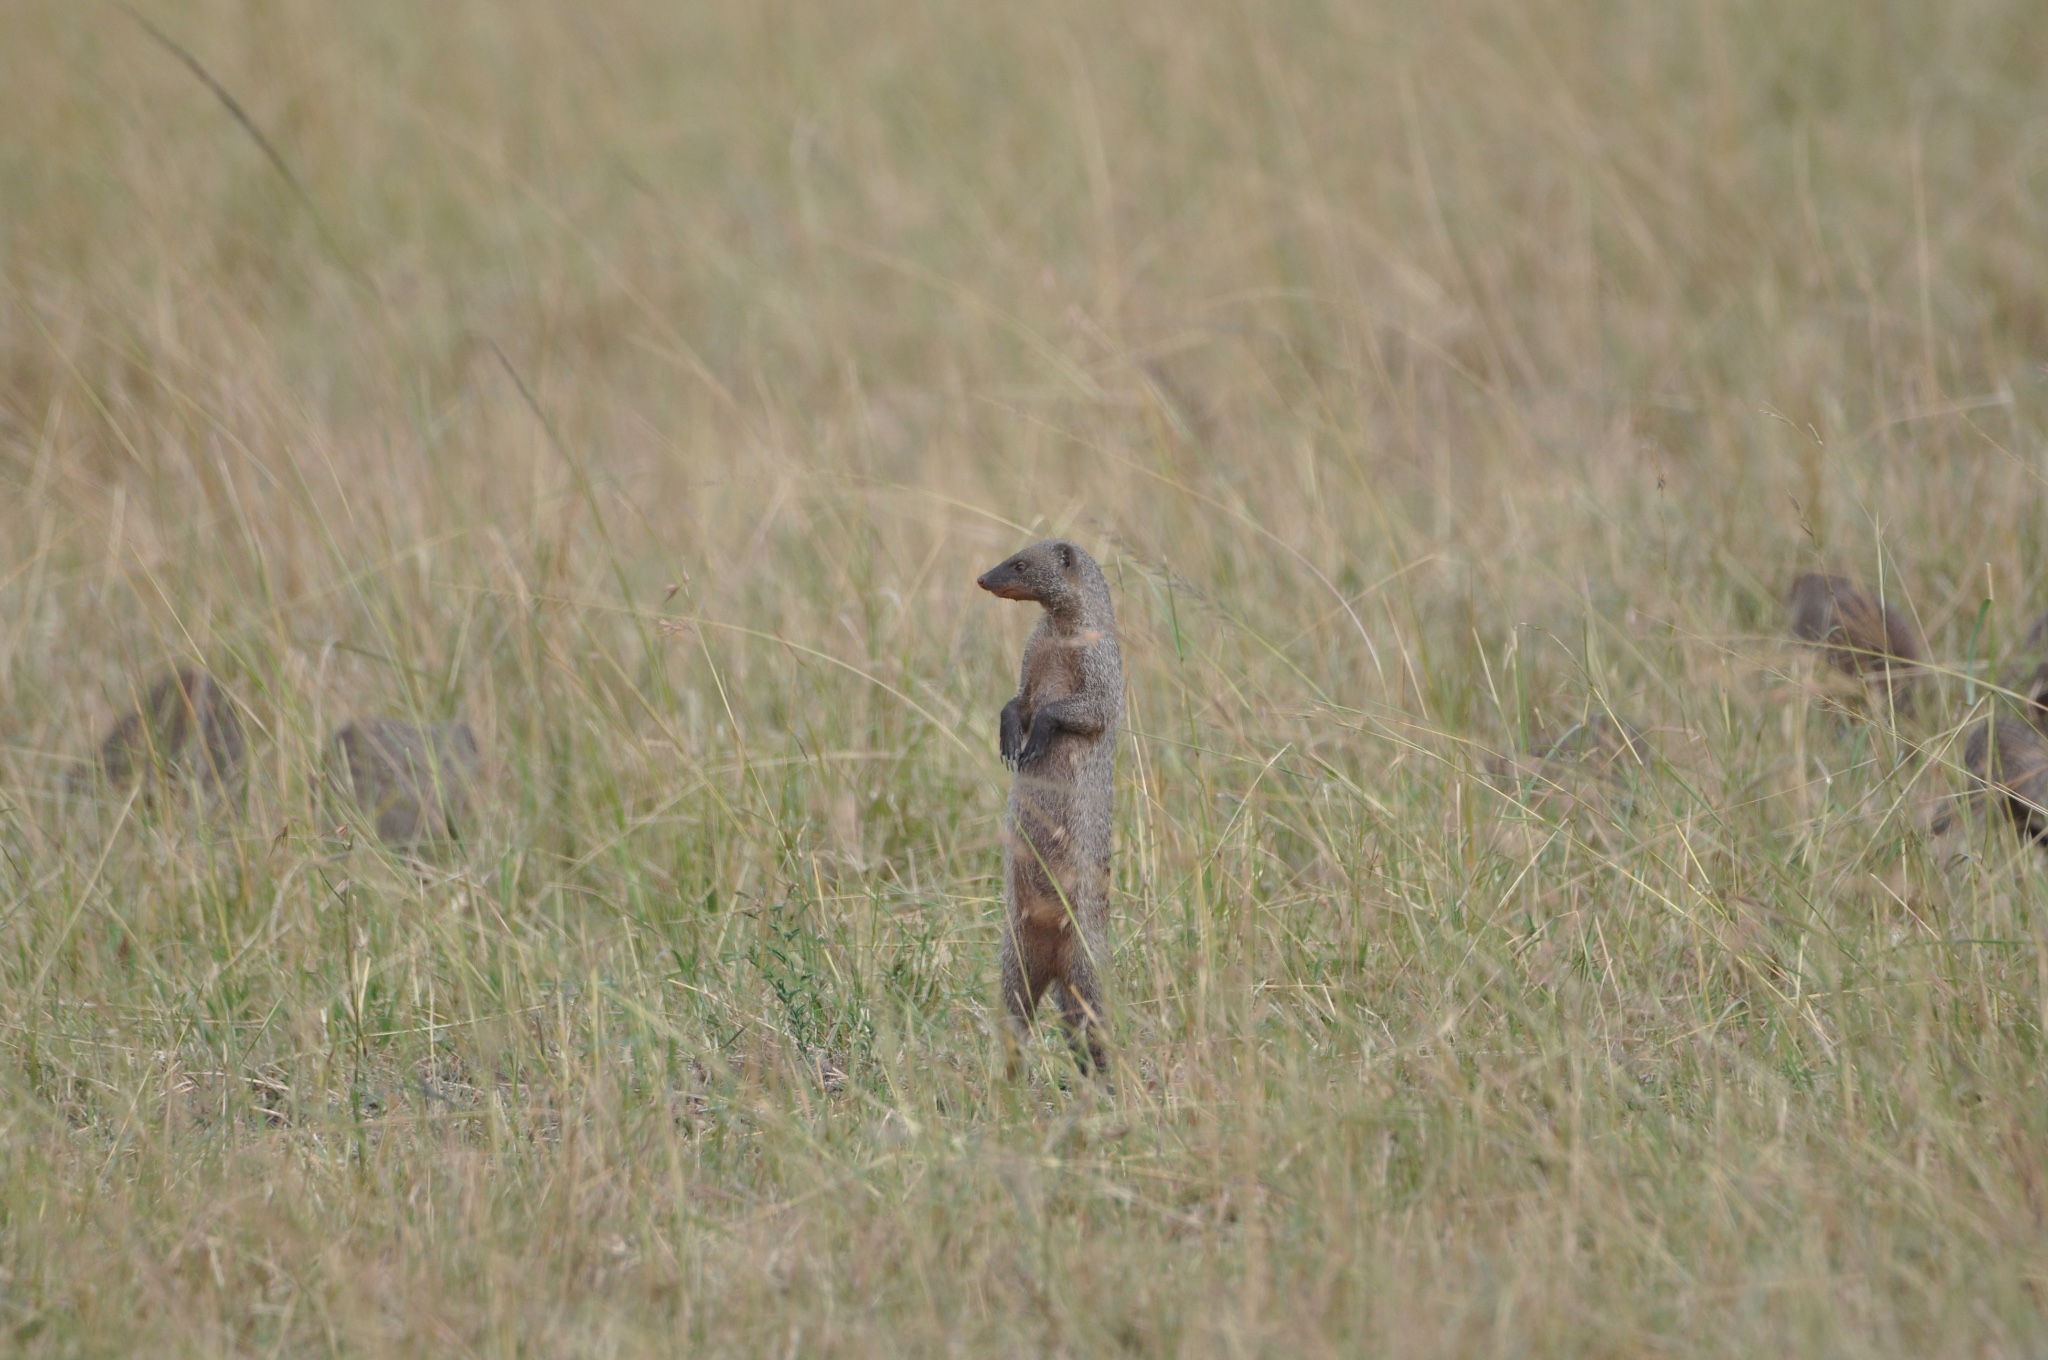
1056	831
1007	580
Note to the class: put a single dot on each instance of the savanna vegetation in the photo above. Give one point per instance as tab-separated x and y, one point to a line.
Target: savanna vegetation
644	384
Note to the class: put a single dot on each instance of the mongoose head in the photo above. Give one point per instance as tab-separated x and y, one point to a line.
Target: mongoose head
1048	572
1811	603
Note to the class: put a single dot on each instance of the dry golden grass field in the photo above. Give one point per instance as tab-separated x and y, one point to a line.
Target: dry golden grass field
645	384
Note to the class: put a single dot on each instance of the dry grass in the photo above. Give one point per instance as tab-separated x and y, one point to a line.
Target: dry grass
1426	377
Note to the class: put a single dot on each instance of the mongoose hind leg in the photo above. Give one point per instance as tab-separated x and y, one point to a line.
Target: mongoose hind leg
1082	1003
1029	963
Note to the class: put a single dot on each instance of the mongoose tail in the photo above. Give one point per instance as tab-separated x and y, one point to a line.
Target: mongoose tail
1059	734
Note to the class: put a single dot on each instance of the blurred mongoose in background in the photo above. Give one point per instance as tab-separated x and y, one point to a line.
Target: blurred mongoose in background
2029	678
413	778
2006	760
185	727
1059	734
1858	634
1601	743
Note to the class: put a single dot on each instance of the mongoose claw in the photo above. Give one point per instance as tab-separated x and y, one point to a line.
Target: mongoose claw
1037	745
1010	733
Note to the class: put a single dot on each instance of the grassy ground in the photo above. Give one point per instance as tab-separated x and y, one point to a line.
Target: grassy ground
646	384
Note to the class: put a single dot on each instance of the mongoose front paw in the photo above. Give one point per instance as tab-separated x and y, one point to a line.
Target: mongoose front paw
1036	745
1010	733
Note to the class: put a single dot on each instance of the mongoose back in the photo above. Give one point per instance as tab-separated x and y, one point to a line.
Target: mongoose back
1859	634
1059	735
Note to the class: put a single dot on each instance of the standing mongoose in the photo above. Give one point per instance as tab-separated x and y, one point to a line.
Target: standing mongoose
1059	735
412	778
1859	634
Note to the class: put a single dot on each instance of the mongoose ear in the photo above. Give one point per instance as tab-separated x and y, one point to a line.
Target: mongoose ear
1067	556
